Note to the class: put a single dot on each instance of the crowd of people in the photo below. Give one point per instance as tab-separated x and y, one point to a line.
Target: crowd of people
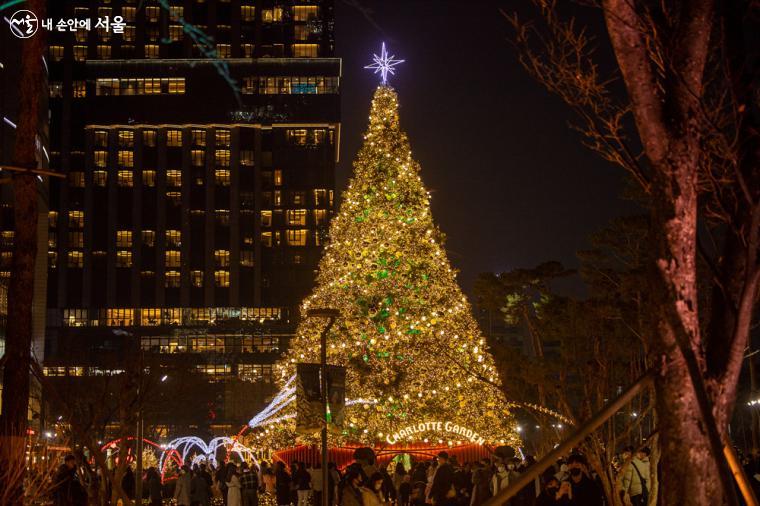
442	481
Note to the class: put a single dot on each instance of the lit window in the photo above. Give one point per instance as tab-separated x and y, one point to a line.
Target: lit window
79	89
174	178
320	216
173	238
76	179
126	138
278	177
296	216
80	53
120	317
176	86
247	12
100	158
320	197
149	138
222	279
297	237
104	52
301	32
246	258
123	258
223	50
151	86
174	138
246	157
305	50
101	138
128	13
152	13
222	258
151	50
277	198
52	221
198	157
99	177
56	53
149	178
52	259
196	278
198	137
76	259
266	239
299	198
124	178
126	158
175	32
129	33
222	157
304	12
222	137
76	219
123	238
247	50
173	258
149	238
172	279
222	177
266	218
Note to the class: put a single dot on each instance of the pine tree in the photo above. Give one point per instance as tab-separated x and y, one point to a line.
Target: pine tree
406	333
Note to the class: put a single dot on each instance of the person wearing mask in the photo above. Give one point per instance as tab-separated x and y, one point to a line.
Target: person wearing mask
634	476
282	480
442	490
500	479
548	496
351	489
200	491
154	487
372	492
183	487
580	489
68	491
234	490
249	484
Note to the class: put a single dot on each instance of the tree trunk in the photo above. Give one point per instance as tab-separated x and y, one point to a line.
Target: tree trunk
18	339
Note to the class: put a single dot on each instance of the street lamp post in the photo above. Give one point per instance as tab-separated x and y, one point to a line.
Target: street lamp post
331	314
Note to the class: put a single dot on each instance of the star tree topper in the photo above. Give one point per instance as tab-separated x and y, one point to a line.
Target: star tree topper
384	64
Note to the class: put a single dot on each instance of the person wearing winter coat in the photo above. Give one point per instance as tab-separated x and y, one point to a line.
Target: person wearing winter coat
68	491
372	492
183	488
282	484
154	487
634	477
201	491
234	489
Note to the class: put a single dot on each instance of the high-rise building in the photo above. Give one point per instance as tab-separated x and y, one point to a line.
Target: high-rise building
199	146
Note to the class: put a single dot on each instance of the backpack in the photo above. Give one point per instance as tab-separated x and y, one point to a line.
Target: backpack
644	490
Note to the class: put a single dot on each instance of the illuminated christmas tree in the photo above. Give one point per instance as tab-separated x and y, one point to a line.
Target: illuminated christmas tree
413	352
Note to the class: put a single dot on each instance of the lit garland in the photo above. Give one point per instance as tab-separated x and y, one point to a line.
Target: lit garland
406	333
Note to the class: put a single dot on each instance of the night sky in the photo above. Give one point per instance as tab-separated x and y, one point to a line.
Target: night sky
511	184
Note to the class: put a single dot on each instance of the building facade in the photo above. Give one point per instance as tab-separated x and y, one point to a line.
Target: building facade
199	147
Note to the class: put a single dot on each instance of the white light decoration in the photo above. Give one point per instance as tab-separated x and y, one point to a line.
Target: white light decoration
384	64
